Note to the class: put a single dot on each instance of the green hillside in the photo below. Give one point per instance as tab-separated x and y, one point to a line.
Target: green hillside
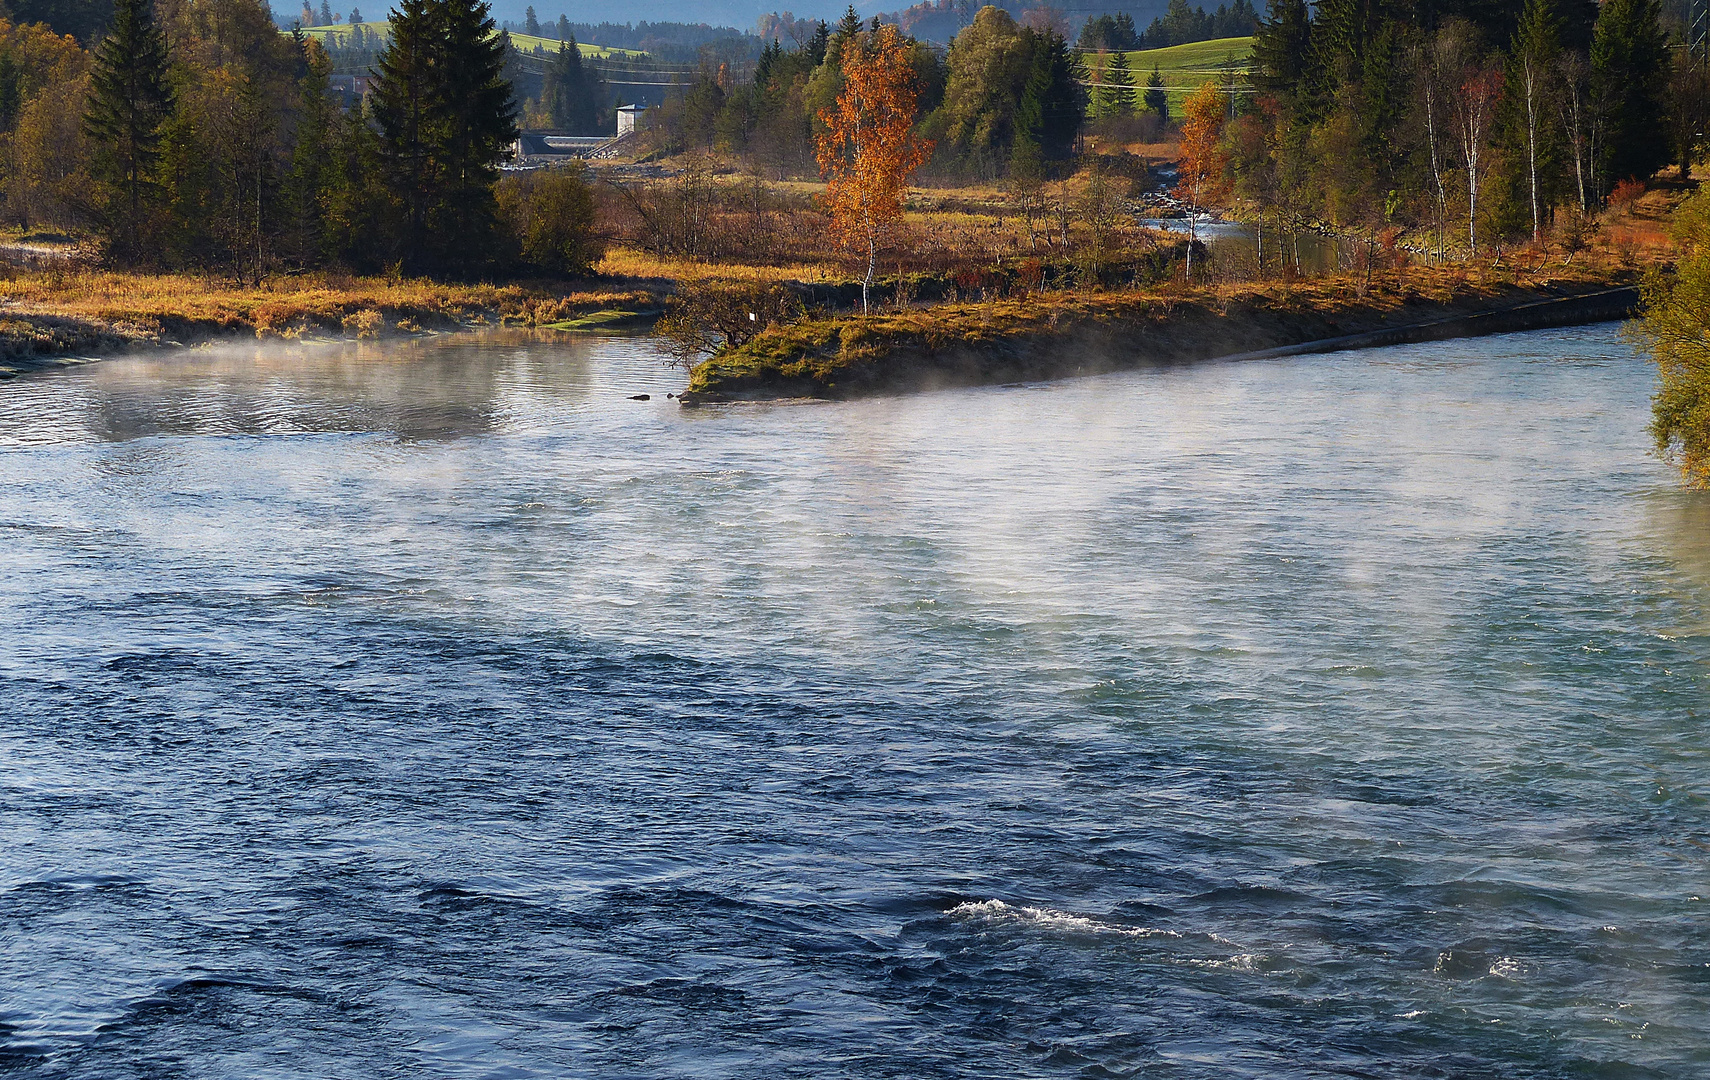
339	37
1185	67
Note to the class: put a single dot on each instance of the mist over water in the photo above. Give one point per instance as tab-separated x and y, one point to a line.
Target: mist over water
433	709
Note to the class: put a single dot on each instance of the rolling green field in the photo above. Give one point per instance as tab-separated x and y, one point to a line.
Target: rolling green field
1185	67
338	36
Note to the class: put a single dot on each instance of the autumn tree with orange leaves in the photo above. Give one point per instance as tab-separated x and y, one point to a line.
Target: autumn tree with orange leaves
1201	169
868	147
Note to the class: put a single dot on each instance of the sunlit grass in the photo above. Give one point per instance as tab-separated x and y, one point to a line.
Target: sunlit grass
634	263
143	303
338	37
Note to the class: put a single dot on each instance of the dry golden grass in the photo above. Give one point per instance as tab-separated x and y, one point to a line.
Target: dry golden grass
148	303
628	262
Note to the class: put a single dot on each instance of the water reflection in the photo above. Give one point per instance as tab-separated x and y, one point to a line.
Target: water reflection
422	389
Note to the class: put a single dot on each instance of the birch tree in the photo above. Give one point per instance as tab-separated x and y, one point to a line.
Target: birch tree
1536	44
868	147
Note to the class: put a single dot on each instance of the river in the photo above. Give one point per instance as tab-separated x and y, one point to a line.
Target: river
435	709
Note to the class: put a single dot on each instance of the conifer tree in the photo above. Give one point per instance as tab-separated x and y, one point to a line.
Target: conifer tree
1282	49
480	116
1062	101
531	24
129	102
1629	68
571	98
849	25
407	109
447	117
1120	83
1537	45
1156	99
306	194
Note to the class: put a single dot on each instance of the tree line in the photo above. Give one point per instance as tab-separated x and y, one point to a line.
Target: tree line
1179	25
196	135
1479	122
1004	97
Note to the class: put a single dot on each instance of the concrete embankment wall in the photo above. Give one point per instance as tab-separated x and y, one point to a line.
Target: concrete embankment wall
1605	306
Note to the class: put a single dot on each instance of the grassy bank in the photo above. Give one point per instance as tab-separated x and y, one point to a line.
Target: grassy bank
64	310
1063	334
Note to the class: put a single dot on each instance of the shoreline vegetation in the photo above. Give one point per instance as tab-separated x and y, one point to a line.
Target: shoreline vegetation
1059	335
62	313
992	205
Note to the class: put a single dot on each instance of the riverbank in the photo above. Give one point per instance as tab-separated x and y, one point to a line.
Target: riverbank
1059	335
55	312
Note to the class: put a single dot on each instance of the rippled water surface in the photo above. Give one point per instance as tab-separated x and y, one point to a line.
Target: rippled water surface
436	710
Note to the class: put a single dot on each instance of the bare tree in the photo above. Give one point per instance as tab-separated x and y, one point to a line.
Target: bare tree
1437	60
1472	109
1581	120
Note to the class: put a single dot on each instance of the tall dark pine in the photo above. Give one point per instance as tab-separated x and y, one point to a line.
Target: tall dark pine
1630	66
1282	49
1053	94
406	107
447	117
129	100
1156	99
1120	81
569	89
306	194
481	125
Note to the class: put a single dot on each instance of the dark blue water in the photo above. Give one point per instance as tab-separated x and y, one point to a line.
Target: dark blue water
435	710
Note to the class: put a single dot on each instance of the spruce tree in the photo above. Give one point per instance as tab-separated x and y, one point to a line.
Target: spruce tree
359	205
531	24
1629	65
406	107
849	25
1526	122
1120	82
1156	99
129	102
1062	101
307	183
818	44
447	118
570	98
1282	49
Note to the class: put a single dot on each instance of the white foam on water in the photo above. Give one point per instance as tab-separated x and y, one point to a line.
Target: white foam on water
998	911
1506	967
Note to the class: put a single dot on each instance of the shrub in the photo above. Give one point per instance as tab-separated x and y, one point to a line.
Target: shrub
1626	193
707	316
550	212
1676	331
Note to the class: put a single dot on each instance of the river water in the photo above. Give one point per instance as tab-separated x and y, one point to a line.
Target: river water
435	709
